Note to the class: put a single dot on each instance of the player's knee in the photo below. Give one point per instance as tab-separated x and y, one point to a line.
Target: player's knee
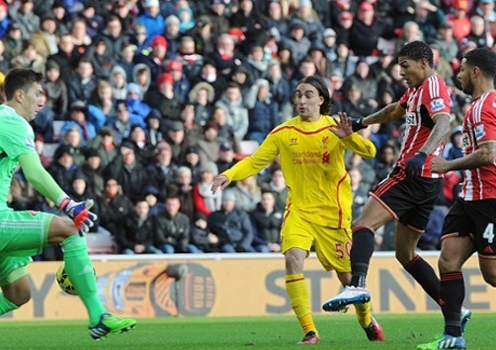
60	229
490	279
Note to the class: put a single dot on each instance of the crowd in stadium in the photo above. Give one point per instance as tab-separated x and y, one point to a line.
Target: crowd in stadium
153	99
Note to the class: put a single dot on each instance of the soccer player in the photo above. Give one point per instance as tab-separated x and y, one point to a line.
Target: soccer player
25	233
470	224
410	191
311	150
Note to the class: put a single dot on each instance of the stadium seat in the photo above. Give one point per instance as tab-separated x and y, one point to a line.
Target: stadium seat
57	126
100	243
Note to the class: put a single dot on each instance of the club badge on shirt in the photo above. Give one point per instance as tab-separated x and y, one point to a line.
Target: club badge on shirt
29	142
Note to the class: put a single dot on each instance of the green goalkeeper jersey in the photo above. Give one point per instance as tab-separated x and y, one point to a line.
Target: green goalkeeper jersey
16	139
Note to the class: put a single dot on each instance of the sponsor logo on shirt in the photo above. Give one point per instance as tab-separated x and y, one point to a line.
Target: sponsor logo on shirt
410	118
29	142
437	104
479	131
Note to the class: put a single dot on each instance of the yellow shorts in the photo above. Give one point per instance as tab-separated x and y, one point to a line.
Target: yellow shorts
332	245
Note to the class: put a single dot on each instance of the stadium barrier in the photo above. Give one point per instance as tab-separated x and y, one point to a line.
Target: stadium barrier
229	285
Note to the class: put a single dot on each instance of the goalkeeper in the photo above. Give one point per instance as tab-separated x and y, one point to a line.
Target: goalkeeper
25	233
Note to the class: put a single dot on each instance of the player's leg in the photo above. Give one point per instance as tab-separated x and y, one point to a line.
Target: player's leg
374	215
15	283
406	239
295	247
80	270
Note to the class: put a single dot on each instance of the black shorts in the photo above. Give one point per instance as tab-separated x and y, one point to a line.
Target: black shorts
476	219
411	199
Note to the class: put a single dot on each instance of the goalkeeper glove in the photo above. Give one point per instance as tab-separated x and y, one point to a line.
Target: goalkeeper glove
79	213
356	124
414	165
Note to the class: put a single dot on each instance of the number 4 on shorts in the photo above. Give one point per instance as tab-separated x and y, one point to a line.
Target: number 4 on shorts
489	233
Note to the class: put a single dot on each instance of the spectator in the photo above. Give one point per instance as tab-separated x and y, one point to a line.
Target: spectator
209	143
66	57
458	19
118	81
190	59
365	80
181	83
203	36
102	59
161	172
359	191
226	131
410	32
354	104
201	235
344	62
277	184
73	139
225	57
12	42
63	167
114	206
478	34
236	113
226	157
267	221
183	188
164	98
218	18
82	85
247	194
251	22
94	22
277	22
105	145
113	35
279	88
454	149
313	26
43	123
172	35
4	19
61	17
153	60
429	18
296	41
201	96
29	58
125	62
173	229
136	236
151	195
82	41
145	151
154	128
103	99
386	159
343	26
92	171
232	226
138	109
78	118
186	19
151	19
22	13
205	201
128	171
193	161
57	97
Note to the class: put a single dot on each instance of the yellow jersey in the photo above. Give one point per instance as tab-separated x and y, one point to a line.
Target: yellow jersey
312	161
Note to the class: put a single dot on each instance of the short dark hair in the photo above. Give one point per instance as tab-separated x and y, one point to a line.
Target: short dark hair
20	78
484	59
417	51
319	83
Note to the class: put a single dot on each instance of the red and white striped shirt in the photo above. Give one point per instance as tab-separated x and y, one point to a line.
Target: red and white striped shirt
422	104
479	126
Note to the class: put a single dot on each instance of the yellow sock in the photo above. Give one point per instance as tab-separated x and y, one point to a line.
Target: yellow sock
363	313
300	301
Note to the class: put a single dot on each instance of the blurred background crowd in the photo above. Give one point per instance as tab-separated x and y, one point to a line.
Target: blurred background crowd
147	101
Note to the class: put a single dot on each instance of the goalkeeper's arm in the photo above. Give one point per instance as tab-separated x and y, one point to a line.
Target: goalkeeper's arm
41	180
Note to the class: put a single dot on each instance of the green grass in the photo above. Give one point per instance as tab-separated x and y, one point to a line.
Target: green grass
337	331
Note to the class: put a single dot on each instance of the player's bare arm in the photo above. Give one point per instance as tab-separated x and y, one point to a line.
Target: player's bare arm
485	155
391	112
438	133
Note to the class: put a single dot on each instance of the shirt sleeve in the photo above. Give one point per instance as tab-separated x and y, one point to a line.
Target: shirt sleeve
17	137
37	176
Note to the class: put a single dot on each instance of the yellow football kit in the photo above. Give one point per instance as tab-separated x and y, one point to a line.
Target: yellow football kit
320	197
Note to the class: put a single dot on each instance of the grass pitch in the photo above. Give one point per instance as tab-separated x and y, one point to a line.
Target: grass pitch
337	331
